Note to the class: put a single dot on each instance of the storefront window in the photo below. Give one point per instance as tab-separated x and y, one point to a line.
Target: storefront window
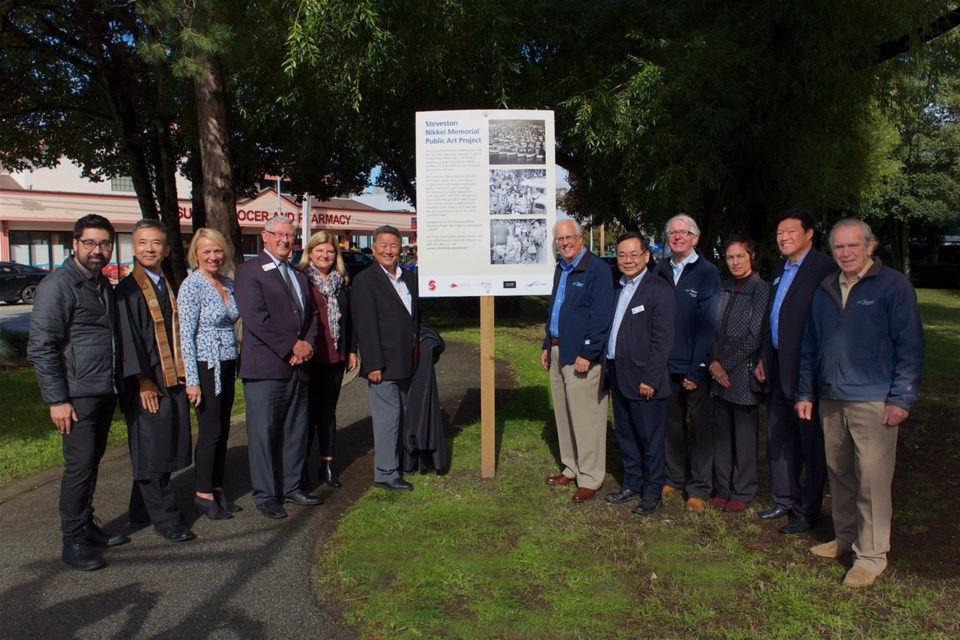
20	247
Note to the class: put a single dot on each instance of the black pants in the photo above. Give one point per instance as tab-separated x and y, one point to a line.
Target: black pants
325	381
213	418
154	501
693	471
83	448
735	432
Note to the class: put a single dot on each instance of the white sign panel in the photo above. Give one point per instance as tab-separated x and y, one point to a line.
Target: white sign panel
486	202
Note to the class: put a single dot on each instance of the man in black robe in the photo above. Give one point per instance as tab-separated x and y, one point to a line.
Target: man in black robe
153	396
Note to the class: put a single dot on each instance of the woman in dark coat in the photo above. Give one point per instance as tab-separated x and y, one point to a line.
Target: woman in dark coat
736	393
335	350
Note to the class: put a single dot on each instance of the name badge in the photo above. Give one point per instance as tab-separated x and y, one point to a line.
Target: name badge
270	266
636	310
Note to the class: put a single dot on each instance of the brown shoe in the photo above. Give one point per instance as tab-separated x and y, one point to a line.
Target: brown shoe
735	506
669	491
559	481
832	549
696	504
718	502
582	495
858	577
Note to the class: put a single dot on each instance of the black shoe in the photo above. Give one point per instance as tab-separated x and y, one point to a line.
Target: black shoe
176	533
97	537
272	509
225	504
303	499
211	509
774	513
329	475
797	524
624	495
397	484
647	506
81	556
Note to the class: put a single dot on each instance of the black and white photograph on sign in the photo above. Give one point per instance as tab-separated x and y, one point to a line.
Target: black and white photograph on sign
517	142
518	192
518	241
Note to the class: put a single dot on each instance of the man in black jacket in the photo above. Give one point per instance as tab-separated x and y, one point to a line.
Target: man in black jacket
386	322
795	450
73	348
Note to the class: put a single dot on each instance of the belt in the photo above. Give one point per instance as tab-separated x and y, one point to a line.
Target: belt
555	341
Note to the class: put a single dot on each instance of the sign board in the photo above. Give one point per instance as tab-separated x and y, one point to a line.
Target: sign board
486	202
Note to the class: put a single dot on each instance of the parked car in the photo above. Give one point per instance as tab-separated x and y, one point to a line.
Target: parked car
18	282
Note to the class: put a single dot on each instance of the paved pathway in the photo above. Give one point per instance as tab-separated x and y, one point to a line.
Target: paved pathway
249	577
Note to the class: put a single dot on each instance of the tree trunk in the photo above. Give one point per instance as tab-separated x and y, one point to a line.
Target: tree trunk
219	197
195	167
169	202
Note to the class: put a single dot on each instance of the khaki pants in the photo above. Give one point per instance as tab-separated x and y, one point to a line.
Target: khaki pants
580	408
861	455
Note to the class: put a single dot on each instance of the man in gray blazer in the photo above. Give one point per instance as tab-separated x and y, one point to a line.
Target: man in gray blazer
279	331
386	322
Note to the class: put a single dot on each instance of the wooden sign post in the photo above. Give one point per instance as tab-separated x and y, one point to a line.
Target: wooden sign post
488	422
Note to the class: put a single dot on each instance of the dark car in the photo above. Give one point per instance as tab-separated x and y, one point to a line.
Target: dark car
354	261
18	282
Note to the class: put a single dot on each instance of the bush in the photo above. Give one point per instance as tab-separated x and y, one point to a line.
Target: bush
935	275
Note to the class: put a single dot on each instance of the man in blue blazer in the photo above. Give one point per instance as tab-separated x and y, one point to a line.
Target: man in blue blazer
640	341
386	322
279	331
792	444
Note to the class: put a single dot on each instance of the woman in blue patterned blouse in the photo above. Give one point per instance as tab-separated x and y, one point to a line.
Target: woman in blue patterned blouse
335	350
208	313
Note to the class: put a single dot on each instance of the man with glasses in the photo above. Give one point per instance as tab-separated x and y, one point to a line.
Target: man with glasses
574	345
279	330
696	287
798	468
73	348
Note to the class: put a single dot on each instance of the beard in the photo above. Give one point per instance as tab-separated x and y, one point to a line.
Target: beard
92	263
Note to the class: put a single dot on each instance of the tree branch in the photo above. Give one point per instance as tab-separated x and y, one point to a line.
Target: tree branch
893	48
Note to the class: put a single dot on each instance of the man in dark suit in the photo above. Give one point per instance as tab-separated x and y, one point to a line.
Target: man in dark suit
640	341
279	331
792	444
386	322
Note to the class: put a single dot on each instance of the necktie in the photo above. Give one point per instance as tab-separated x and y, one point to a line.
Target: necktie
160	285
293	291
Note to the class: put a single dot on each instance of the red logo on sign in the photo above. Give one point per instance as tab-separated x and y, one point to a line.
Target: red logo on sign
432	285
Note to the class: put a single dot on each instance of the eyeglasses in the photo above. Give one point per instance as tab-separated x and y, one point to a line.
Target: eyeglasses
630	256
282	236
562	239
679	233
105	245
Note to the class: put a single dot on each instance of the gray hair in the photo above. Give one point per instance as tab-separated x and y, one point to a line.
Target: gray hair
682	217
578	230
854	222
275	220
386	228
150	223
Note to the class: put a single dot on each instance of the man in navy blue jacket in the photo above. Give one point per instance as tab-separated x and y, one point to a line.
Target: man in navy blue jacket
862	356
573	349
640	341
696	285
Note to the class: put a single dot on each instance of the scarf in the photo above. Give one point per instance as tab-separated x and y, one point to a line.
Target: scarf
329	287
171	359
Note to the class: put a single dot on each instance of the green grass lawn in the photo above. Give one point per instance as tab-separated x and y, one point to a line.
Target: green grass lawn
462	557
